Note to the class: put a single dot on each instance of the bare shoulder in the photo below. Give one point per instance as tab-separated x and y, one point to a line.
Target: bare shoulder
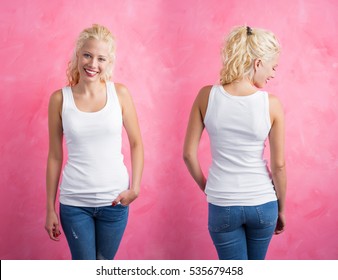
275	108
125	99
121	90
55	106
56	98
202	100
205	91
203	95
123	95
274	101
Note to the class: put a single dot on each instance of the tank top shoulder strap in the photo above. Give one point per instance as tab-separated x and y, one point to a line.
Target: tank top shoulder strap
211	101
214	92
267	108
67	98
111	91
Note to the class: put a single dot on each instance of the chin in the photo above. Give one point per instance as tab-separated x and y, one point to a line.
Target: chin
258	85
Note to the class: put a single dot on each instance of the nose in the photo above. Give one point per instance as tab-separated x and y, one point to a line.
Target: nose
93	63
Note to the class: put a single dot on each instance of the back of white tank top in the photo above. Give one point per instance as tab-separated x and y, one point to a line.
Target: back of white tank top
238	127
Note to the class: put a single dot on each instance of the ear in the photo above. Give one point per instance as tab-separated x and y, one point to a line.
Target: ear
257	63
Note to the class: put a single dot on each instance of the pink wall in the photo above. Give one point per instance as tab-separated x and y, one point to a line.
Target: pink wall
167	50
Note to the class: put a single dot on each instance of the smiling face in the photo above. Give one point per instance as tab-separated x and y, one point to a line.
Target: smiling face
264	71
93	60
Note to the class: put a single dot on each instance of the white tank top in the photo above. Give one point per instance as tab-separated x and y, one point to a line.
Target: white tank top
94	174
238	127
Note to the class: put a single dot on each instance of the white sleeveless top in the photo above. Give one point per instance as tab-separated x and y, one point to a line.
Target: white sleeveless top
94	174
238	127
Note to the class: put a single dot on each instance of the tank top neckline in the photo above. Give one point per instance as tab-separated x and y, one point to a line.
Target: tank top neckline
95	112
238	96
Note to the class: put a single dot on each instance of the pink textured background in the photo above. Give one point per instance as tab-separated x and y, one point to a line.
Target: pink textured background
166	51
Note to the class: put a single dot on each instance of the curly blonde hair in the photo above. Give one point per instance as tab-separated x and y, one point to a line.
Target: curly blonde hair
97	32
242	47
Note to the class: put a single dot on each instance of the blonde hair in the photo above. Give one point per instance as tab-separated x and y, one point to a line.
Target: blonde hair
97	32
242	46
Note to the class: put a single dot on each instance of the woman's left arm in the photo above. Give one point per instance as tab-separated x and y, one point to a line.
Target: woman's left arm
193	135
130	123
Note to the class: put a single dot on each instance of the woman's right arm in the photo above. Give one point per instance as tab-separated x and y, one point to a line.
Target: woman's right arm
54	163
278	170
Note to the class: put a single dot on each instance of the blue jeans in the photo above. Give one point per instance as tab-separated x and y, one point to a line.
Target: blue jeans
242	232
93	232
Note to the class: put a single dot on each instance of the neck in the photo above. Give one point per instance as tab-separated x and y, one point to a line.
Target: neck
89	87
241	87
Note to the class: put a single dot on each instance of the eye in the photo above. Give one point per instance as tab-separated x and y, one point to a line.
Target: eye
86	55
102	59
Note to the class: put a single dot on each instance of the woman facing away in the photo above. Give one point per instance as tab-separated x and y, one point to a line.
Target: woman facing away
95	190
246	203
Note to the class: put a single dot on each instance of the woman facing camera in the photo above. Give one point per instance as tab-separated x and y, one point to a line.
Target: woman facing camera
95	190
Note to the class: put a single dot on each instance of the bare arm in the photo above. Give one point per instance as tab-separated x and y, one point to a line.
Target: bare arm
193	136
54	163
132	128
278	170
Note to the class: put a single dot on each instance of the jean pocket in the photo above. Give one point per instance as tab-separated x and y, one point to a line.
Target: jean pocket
120	205
267	213
218	218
